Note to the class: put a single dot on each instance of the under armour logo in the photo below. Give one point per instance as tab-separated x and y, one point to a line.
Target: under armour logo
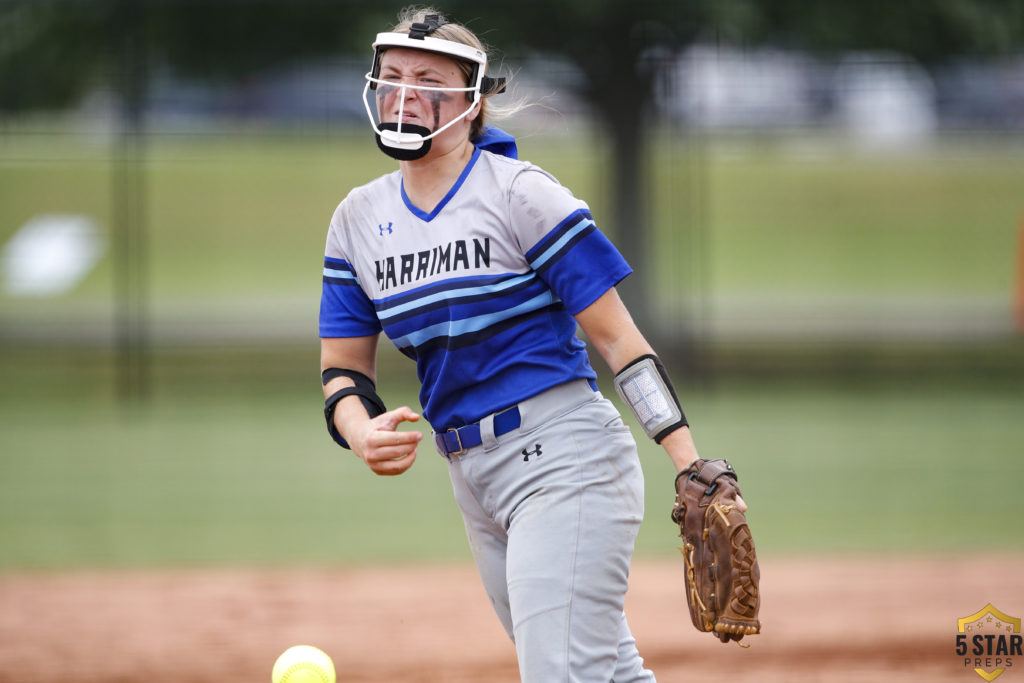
387	227
526	454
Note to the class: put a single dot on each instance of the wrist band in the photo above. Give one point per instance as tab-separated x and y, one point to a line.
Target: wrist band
645	387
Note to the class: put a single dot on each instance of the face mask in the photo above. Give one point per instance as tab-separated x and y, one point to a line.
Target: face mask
405	141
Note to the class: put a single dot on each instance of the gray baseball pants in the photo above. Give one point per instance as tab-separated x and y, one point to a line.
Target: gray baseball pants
552	511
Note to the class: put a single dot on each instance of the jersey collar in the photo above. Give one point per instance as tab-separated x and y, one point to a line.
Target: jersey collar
427	217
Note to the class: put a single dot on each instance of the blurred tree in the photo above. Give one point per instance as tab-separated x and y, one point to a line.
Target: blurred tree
49	53
930	31
53	51
231	40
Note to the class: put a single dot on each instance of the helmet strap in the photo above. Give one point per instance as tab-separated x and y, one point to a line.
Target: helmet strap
420	29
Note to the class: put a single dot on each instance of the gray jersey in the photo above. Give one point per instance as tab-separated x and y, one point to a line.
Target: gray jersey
480	291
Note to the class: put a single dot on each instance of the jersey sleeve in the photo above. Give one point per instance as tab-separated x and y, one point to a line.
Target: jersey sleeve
345	310
561	242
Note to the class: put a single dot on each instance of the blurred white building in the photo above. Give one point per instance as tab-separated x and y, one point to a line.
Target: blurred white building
723	87
882	100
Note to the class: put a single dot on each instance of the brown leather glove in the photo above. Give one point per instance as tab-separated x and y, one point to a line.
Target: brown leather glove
721	565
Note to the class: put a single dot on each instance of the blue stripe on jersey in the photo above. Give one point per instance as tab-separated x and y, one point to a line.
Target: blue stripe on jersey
476	339
423	215
464	302
577	261
345	310
337	272
477	374
451	329
453	292
463	310
561	238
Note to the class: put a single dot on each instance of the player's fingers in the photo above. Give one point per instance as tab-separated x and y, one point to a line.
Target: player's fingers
390	420
742	503
391	461
382	438
391	452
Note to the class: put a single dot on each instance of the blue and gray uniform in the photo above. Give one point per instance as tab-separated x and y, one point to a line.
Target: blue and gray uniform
481	293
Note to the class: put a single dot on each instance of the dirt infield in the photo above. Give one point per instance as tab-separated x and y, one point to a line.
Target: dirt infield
834	619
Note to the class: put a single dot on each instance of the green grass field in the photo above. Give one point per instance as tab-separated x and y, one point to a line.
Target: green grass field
225	465
228	461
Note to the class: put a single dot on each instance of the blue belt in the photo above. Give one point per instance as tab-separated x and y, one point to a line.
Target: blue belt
458	440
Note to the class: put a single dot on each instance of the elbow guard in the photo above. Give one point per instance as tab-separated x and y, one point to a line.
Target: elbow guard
364	388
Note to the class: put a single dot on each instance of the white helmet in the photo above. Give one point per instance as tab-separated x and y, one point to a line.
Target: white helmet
406	141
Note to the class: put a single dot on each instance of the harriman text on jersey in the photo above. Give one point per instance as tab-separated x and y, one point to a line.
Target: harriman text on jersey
403	269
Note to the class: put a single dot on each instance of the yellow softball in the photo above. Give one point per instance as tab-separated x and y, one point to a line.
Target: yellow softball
303	664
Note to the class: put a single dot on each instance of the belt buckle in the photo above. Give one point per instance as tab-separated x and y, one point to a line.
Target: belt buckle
458	437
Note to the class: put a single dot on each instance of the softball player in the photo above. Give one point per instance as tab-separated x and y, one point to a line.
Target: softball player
480	268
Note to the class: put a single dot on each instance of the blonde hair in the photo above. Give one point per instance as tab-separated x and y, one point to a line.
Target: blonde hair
457	33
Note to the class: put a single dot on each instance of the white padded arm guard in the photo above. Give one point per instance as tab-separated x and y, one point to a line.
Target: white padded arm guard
645	387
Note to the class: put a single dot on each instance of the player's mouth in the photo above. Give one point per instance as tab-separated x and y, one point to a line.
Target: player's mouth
405	117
